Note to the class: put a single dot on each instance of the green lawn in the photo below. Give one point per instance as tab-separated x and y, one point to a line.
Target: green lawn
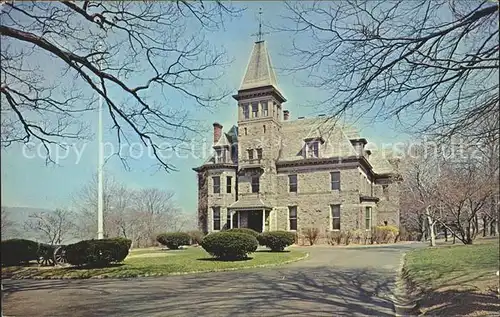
461	266
156	262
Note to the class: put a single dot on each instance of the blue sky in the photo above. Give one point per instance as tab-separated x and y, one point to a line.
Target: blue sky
31	183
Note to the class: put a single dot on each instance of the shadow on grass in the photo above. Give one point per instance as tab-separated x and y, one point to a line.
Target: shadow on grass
224	260
91	267
458	303
270	251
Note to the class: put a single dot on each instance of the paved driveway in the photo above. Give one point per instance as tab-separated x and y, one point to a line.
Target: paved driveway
354	281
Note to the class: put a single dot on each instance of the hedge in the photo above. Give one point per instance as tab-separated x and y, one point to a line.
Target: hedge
18	251
384	234
244	230
229	245
173	240
97	253
276	240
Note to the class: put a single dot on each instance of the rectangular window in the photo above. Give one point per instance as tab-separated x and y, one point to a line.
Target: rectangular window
259	154
216	180
219	156
368	218
335	180
255	109
265	109
255	184
228	184
250	154
335	210
246	112
313	149
292	183
216	217
292	217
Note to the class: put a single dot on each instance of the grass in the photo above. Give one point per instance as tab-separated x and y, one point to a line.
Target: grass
156	262
453	265
457	280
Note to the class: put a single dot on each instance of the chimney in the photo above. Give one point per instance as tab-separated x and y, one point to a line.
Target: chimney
217	132
286	115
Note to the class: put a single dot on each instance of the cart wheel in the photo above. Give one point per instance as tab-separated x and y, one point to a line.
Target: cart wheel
60	256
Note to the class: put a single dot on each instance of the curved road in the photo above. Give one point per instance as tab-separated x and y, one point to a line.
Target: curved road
345	281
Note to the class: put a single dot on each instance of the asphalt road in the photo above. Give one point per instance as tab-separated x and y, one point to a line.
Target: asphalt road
353	281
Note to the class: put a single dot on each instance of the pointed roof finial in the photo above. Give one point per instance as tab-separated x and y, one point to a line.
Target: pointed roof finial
260	33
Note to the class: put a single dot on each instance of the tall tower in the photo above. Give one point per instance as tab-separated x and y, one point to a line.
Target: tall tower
259	125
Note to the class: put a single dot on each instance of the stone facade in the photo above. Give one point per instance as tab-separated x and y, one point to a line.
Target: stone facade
250	179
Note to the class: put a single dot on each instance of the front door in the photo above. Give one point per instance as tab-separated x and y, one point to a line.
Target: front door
255	220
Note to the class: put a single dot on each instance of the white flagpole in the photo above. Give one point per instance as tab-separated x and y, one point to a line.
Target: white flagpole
100	176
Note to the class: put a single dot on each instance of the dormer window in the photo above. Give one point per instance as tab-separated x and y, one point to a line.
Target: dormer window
312	147
220	155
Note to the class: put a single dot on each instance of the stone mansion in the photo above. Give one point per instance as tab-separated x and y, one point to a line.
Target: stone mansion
269	172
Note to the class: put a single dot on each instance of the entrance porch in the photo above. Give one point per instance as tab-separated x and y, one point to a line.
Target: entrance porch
257	220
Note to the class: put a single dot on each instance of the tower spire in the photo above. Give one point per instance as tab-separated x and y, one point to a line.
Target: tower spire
260	33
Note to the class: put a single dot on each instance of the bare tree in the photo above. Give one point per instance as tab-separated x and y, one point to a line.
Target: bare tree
464	191
8	228
420	175
136	214
158	213
432	64
57	57
52	227
85	203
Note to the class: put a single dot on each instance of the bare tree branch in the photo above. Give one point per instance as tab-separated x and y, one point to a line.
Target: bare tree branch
124	52
432	65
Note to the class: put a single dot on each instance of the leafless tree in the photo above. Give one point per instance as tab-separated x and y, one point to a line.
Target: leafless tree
59	57
136	214
52	227
420	176
431	64
85	204
157	212
8	228
464	192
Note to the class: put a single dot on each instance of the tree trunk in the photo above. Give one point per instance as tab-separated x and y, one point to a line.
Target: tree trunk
423	230
445	234
485	226
430	226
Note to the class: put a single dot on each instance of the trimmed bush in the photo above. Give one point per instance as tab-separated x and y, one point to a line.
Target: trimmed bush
97	253
384	234
196	236
229	245
276	240
18	251
334	237
311	234
173	240
244	230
